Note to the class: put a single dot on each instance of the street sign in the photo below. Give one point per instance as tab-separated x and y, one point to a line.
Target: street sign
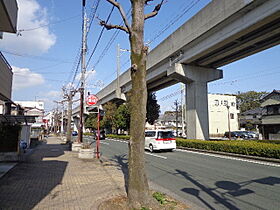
91	100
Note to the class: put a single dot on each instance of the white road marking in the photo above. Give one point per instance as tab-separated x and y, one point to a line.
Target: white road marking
122	141
104	143
159	156
231	158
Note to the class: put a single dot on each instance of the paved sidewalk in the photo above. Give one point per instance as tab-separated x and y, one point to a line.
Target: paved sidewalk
54	178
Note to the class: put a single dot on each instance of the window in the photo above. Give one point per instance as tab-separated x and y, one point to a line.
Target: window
225	102
165	134
216	102
275	110
232	104
150	134
231	116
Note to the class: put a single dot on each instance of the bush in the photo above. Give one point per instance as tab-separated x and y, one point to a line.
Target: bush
87	134
114	136
254	148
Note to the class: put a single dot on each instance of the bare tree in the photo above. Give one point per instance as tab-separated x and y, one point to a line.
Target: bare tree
137	189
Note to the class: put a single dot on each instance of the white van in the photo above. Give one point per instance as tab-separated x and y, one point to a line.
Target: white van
159	140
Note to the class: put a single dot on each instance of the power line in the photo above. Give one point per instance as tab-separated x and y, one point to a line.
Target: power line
100	35
172	22
35	57
93	12
52	23
109	44
92	16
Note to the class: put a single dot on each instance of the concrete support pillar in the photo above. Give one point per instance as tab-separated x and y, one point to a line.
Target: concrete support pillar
196	79
197	110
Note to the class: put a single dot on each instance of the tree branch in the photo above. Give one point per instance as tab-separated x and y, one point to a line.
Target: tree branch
155	11
125	20
110	26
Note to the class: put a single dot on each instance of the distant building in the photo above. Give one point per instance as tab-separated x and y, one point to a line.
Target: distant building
270	121
223	114
31	108
250	119
168	119
222	109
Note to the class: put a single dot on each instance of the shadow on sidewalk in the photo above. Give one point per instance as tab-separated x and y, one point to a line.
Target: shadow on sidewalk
122	164
29	182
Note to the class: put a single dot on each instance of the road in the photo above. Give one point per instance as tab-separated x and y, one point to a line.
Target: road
209	181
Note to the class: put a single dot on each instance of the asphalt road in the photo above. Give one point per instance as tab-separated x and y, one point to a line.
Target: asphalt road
209	181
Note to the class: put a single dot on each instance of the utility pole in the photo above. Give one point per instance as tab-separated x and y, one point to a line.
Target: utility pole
176	112
83	65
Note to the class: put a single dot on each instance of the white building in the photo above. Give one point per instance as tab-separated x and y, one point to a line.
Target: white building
33	108
222	110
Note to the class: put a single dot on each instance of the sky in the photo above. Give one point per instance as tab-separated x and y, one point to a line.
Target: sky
45	51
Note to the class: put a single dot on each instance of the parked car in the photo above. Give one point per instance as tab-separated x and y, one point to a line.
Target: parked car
102	135
159	140
238	134
253	135
74	133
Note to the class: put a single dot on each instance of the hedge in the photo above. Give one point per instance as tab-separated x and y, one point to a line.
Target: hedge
244	147
114	136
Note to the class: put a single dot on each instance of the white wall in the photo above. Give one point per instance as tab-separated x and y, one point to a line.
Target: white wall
34	104
218	113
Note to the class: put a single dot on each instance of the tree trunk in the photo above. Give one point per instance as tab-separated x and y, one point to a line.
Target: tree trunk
138	189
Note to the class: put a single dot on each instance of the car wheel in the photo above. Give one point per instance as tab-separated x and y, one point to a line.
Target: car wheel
151	148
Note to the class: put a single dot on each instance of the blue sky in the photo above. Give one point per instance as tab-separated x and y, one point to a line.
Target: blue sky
44	58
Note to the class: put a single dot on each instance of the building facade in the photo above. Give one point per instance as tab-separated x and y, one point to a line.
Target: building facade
223	114
270	121
8	23
32	108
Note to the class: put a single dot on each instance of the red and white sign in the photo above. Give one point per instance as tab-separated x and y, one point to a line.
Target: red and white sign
91	100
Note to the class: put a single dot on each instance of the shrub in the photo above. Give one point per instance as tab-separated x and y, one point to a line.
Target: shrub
114	136
255	148
88	134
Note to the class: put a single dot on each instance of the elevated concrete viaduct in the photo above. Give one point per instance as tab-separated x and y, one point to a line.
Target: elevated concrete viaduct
222	32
